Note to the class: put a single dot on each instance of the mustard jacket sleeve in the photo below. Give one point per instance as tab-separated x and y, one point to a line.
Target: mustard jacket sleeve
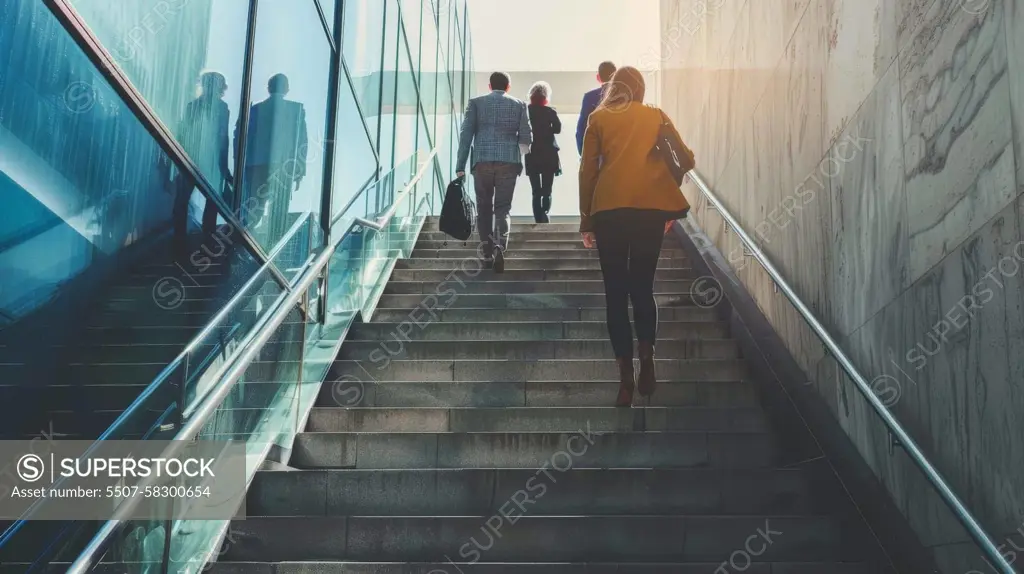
589	171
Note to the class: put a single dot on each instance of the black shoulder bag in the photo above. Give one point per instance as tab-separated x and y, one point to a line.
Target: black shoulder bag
673	151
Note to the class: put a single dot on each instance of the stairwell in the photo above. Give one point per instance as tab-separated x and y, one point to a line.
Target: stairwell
469	428
76	387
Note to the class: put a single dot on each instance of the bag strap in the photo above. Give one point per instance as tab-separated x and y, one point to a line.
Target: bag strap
675	133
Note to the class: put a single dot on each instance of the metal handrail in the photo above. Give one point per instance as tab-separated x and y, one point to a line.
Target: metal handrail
371	181
240	296
385	218
228	374
930	472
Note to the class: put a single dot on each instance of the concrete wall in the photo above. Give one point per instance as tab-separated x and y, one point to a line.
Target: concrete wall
877	148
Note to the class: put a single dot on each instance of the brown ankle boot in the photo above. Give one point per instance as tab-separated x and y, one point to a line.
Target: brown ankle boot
627	380
646	380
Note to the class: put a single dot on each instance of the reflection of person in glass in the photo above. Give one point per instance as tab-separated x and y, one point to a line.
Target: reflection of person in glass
203	133
275	160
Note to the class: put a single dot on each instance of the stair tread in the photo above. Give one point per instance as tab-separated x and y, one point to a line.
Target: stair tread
766	566
438	417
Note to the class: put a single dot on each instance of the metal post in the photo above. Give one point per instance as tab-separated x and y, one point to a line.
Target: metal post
241	134
327	189
168	537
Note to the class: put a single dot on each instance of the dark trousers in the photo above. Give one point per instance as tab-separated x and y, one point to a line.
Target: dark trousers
629	245
267	187
541	184
183	193
495	183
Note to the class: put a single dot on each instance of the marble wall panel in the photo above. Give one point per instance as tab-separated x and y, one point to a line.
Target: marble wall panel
861	49
681	43
798	107
958	144
767	29
946	348
738	105
1015	60
869	267
909	16
718	150
902	233
723	16
803	257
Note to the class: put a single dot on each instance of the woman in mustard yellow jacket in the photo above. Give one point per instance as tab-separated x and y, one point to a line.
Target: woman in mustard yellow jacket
628	200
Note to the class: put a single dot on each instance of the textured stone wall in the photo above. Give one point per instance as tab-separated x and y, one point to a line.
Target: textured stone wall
876	147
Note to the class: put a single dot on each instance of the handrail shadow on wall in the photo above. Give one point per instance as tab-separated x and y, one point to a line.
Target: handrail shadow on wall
895	429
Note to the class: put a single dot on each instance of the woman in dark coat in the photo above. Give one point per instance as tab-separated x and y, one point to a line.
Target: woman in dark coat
542	163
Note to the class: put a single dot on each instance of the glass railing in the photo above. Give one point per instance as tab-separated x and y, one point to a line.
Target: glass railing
90	296
160	407
282	362
220	338
949	523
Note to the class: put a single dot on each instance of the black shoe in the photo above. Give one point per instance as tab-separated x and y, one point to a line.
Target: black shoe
499	261
488	263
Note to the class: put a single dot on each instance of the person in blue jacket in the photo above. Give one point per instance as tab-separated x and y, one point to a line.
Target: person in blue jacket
591	99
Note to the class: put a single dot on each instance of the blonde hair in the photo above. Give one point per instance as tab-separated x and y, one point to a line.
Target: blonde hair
626	86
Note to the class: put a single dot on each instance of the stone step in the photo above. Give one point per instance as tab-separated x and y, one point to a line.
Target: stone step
590	449
59	425
471	492
122	352
188	290
517	243
590	314
682	370
499	285
157	330
391	334
540	239
84	375
517	350
362	390
77	398
653	539
88	425
518	235
472	265
449	298
178	303
317	567
192	319
514	253
147	276
176	268
441	275
520	226
546	419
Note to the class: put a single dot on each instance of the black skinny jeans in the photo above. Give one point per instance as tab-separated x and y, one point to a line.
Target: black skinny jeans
541	184
629	245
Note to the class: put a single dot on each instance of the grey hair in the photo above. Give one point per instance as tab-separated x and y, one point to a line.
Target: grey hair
542	89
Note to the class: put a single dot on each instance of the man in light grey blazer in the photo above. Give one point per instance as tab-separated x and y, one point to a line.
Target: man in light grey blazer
499	126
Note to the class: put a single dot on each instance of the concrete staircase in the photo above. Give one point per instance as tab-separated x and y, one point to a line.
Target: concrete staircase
137	325
469	428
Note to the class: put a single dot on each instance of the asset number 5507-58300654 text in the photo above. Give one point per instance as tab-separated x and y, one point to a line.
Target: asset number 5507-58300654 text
158	491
